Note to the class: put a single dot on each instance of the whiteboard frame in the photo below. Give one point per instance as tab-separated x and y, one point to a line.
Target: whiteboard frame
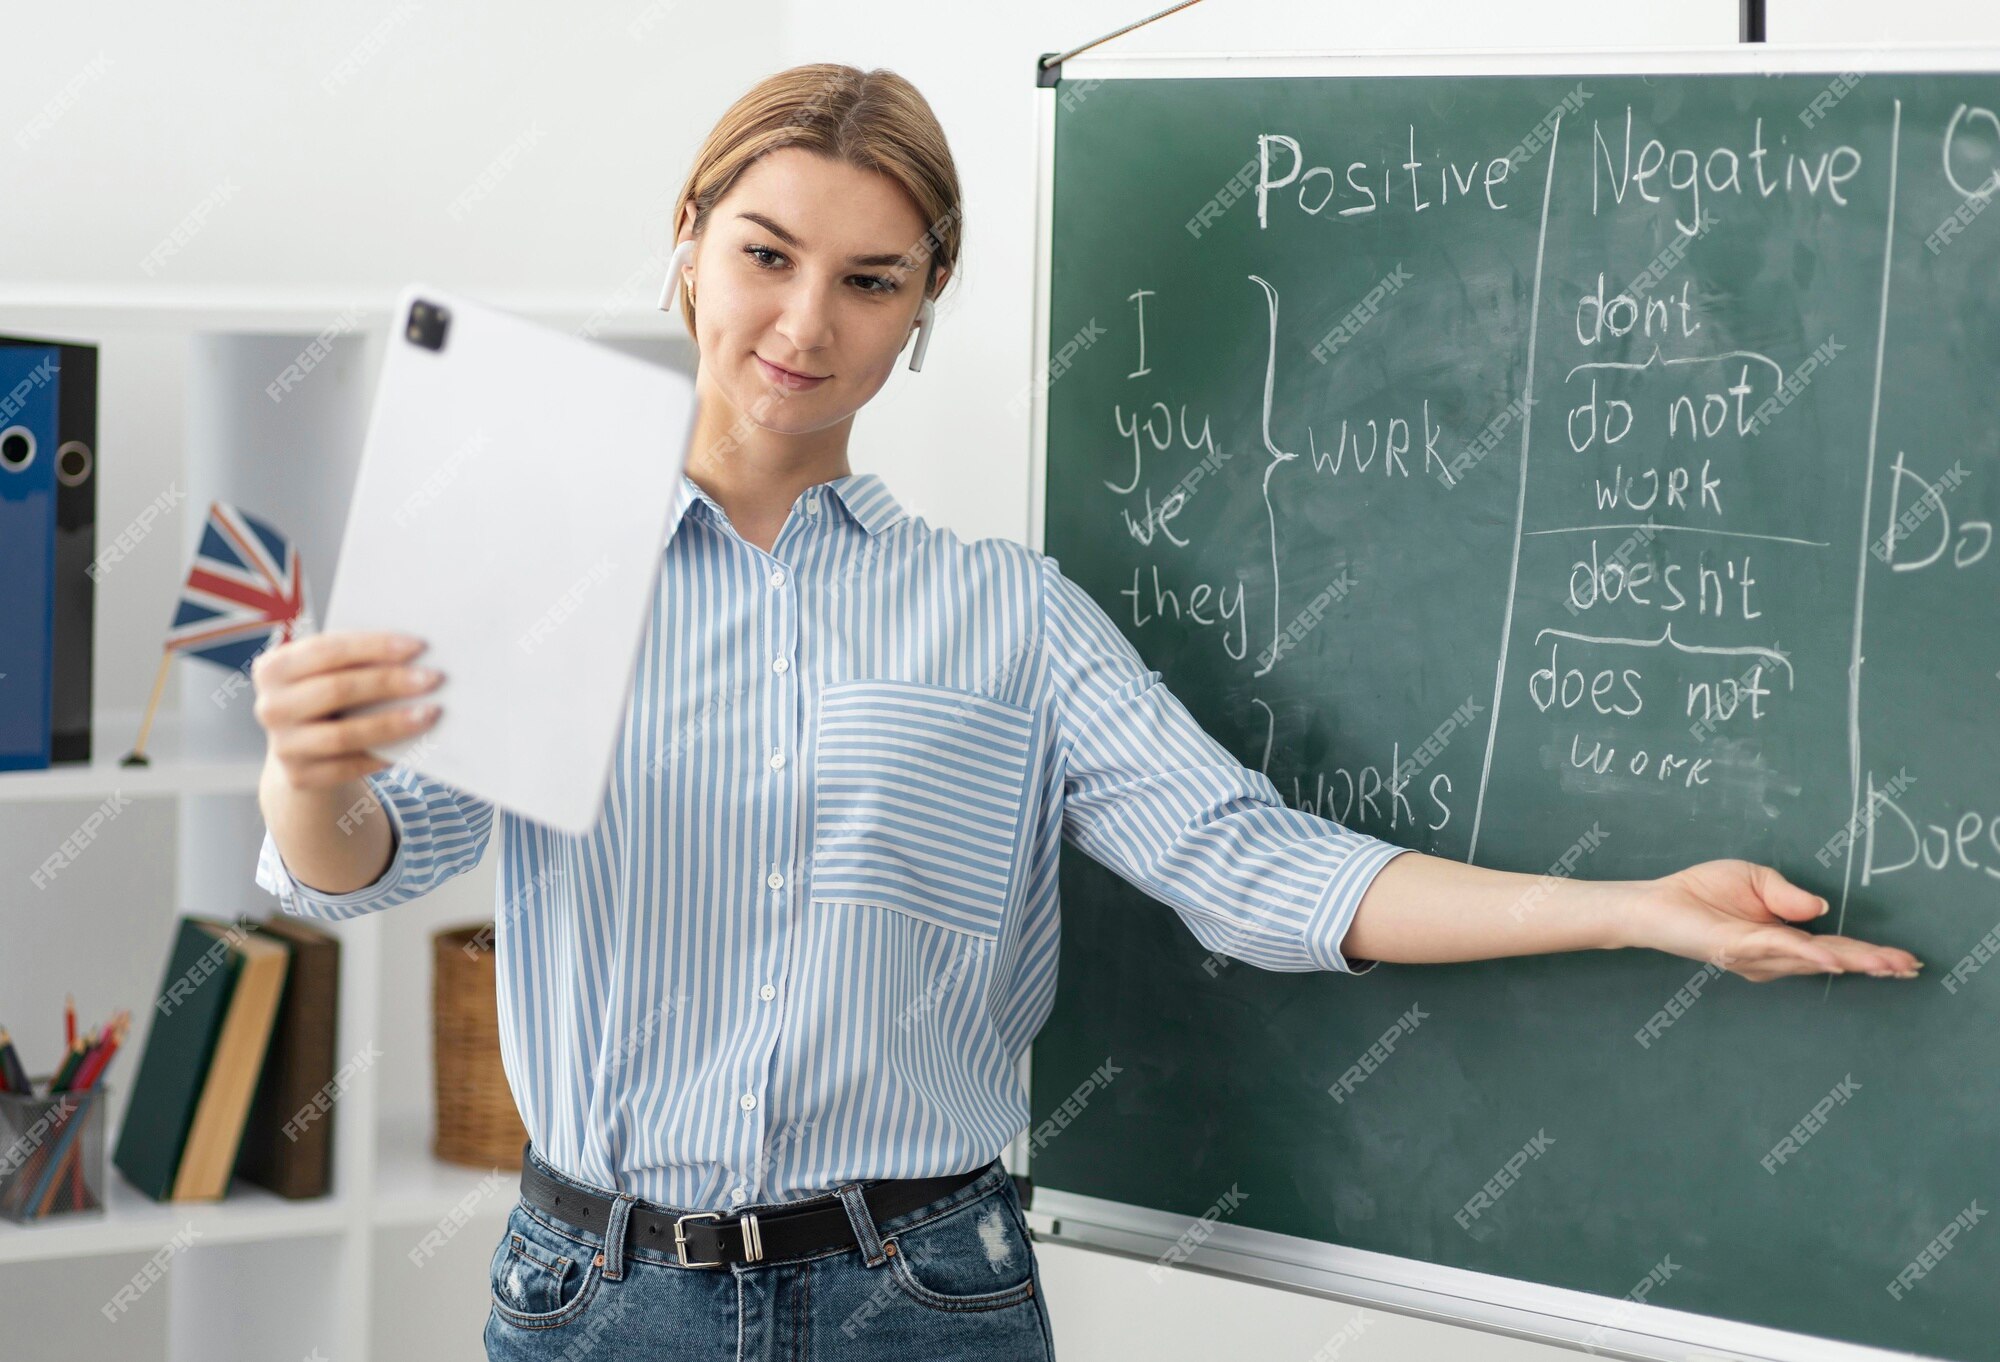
1501	1305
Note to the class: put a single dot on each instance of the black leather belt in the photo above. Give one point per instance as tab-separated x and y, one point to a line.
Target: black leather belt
712	1239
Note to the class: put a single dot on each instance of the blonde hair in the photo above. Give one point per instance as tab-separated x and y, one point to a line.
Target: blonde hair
872	120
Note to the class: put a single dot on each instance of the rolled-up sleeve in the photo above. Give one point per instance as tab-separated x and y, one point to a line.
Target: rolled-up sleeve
438	832
1150	795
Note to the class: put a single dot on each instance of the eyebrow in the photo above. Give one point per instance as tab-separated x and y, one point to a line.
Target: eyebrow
896	258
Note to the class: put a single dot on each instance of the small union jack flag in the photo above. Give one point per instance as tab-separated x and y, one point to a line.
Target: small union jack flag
245	591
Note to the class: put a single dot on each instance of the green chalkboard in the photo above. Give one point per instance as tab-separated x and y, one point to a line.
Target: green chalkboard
1597	476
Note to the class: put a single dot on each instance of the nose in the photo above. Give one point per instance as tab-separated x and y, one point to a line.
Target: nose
806	320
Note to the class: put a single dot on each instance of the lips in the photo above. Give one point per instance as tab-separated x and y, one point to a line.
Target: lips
786	378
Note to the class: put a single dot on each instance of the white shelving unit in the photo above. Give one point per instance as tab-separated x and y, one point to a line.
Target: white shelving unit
392	1263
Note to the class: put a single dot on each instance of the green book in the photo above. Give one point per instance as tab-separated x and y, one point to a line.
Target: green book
188	1013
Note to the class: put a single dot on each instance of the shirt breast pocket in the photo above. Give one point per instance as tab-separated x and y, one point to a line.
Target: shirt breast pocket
919	792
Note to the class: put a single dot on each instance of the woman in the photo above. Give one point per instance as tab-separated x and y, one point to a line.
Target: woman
763	1020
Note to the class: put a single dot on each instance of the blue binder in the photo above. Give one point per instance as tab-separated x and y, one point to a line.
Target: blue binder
29	376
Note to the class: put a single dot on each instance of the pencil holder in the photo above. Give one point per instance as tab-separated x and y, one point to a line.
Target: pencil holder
52	1151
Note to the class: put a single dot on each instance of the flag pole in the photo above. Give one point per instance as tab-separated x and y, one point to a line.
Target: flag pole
137	756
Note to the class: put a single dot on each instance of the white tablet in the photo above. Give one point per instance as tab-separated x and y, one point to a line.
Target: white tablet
511	510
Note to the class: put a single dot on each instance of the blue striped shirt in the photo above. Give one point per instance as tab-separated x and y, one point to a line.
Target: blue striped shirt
814	927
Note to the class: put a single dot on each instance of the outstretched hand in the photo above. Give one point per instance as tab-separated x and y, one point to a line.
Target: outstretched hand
1739	916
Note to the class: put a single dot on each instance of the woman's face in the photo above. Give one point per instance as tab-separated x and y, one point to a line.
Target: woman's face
809	267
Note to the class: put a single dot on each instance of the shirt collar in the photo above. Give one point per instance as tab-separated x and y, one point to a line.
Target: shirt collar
864	496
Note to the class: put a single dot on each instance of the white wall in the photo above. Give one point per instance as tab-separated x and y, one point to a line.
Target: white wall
332	142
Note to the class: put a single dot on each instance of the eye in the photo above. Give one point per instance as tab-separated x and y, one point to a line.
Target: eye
878	284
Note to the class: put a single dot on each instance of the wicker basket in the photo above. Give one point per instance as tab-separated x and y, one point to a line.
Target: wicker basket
478	1124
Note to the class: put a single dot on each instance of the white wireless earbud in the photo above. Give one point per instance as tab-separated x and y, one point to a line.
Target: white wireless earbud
680	257
925	313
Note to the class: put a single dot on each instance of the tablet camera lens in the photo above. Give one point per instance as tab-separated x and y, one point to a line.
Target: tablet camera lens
427	325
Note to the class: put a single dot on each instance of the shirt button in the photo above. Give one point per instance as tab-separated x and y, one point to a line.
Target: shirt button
780	664
777	761
748	1099
767	993
735	1193
812	503
778	577
776	881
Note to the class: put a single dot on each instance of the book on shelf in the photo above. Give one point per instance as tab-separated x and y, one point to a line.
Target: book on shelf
213	1020
288	1140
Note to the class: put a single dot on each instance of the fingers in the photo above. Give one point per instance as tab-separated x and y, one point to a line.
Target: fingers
302	657
330	738
1786	900
1788	951
328	694
1869	958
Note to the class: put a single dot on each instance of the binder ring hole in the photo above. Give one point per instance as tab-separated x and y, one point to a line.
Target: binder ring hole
73	461
17	448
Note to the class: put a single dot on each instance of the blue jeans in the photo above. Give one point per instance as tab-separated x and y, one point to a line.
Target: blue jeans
960	1282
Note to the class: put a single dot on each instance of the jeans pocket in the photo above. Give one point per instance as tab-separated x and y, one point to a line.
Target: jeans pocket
975	1257
918	793
540	1277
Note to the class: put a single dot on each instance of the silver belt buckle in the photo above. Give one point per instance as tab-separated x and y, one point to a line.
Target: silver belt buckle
680	1236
